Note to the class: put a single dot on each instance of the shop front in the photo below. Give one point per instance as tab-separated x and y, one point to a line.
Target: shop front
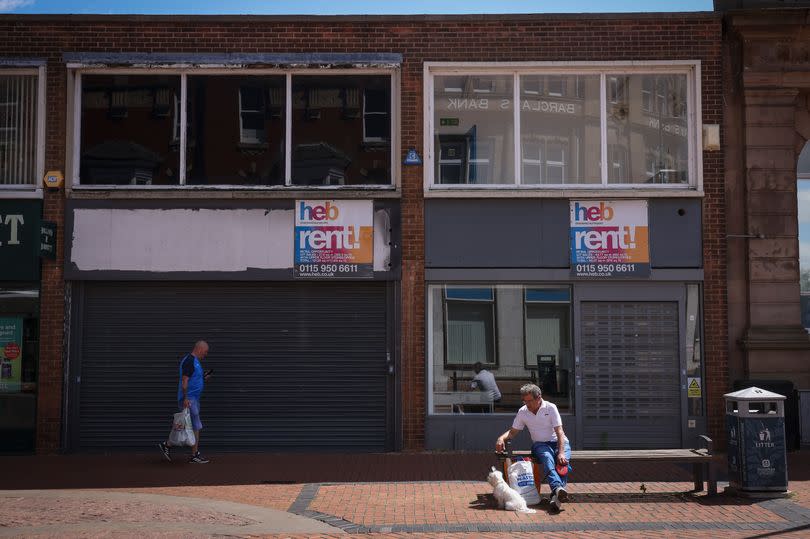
303	354
621	357
19	322
564	237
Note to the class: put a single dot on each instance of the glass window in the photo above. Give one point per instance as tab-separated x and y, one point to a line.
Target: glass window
127	130
470	327
235	130
548	342
501	335
803	195
646	117
376	115
588	128
19	350
18	129
252	113
559	129
341	130
474	129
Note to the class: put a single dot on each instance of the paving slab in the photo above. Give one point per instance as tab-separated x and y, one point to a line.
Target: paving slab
62	513
414	496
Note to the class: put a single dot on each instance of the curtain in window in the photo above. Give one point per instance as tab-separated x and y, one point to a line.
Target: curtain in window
466	341
18	100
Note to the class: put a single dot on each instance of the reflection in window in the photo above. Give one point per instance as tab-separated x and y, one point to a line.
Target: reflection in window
519	334
803	195
548	342
559	123
564	128
470	322
235	130
474	125
18	133
252	115
127	130
376	115
545	160
646	115
341	129
617	163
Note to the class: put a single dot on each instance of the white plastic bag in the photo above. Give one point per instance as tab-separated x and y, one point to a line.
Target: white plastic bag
182	432
521	478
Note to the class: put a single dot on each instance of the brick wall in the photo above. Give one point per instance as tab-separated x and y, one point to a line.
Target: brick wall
434	38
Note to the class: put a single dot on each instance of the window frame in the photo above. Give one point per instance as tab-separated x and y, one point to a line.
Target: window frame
492	303
245	137
75	73
32	189
605	70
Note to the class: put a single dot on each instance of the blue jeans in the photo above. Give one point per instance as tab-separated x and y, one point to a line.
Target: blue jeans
546	455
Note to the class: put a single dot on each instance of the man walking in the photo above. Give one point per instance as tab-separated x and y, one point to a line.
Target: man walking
189	390
550	446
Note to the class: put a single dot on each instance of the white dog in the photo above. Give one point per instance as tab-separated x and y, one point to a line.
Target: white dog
507	497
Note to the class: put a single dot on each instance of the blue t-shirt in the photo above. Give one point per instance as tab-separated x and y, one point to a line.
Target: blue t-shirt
190	366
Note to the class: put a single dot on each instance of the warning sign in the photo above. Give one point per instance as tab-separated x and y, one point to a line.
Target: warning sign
693	388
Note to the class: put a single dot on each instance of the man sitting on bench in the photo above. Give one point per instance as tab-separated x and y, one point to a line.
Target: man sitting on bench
549	445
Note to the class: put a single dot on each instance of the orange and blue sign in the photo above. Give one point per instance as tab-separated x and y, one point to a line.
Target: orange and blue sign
334	239
609	238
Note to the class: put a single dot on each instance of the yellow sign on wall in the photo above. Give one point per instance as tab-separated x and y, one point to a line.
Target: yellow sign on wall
693	388
53	179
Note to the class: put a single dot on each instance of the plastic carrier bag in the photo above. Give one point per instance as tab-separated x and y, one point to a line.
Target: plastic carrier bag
182	432
521	478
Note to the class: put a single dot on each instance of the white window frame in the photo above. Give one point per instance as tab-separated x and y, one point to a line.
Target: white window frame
690	68
34	189
76	71
250	136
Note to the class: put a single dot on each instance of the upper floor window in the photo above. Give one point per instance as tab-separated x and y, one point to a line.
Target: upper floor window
21	150
580	126
201	128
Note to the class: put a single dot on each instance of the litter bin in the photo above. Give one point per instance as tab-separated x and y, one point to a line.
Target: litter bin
755	424
792	416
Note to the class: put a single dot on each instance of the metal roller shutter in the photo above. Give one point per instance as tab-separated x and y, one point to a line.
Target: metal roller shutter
630	380
298	366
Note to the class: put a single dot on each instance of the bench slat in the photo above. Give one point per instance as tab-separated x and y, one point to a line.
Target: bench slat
632	455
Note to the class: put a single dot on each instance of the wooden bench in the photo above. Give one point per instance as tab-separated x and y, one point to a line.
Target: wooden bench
700	459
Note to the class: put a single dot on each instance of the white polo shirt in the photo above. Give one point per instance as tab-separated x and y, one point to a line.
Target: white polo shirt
541	425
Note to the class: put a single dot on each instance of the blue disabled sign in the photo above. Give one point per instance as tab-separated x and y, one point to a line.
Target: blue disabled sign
412	158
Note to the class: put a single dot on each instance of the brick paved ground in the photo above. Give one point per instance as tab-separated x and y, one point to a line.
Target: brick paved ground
414	496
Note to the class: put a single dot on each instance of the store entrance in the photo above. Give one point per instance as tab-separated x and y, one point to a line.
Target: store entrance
630	376
629	368
19	348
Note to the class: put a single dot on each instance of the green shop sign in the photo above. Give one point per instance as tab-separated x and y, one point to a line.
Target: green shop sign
20	239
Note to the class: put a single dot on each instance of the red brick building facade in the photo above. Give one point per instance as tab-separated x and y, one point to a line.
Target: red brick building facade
563	42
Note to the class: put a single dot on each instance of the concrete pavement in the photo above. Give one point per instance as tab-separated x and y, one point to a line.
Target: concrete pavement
413	495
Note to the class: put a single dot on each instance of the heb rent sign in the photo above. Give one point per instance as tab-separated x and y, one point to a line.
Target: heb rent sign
334	239
609	238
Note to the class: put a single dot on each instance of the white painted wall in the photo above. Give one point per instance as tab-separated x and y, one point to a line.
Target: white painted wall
163	240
